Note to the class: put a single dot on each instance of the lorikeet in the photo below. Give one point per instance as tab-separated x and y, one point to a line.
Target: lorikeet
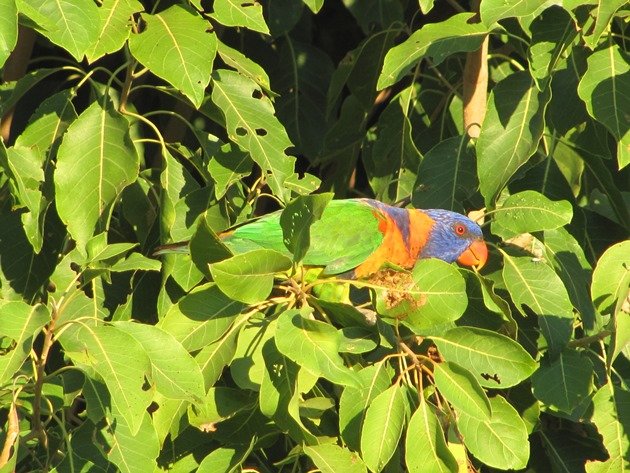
356	237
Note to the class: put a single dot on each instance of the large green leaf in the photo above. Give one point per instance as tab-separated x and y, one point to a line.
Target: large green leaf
8	28
68	23
19	324
331	458
296	220
248	366
313	345
510	132
237	13
530	211
177	47
609	276
134	451
383	427
354	402
95	161
603	15
500	441
611	416
248	277
605	88
537	286
114	27
460	387
248	116
564	381
175	373
426	449
446	175
495	10
201	317
496	361
391	156
120	361
438	40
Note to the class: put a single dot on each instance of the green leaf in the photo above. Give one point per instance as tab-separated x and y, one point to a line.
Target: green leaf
11	92
433	295
553	33
460	387
510	132
280	394
354	402
537	286
201	317
603	15
237	60
530	211
177	47
314	5
314	346
446	176
120	361
605	88
495	10
136	262
250	122
296	220
8	28
331	458
248	366
500	442
228	166
220	403
114	27
175	373
19	324
383	426
248	277
95	161
609	275
611	413
357	340
375	14
134	451
237	13
67	23
496	361
24	166
437	40
563	382
225	460
49	122
426	449
391	157
569	261
302	78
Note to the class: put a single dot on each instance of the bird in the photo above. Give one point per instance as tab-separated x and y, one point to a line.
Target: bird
355	238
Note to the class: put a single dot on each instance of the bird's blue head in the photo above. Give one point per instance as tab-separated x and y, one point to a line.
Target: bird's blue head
454	237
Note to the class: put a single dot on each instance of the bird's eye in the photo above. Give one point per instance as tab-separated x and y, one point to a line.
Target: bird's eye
460	229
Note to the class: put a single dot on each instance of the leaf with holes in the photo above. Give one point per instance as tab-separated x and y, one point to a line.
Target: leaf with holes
251	124
247	13
530	211
114	27
176	46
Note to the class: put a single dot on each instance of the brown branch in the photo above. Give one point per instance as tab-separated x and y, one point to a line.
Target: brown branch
14	69
586	341
13	432
476	85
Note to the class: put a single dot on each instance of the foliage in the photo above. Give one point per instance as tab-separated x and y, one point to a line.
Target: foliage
129	124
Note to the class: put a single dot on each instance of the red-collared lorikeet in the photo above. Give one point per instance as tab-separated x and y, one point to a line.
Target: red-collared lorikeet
358	236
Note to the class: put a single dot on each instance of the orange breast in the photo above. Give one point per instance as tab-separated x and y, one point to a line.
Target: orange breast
394	248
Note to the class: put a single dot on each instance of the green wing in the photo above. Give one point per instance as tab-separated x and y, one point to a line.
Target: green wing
345	236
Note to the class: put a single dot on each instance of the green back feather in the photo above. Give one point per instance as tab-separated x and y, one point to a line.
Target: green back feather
345	236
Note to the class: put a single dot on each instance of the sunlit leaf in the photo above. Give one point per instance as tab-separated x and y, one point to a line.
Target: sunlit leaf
530	211
238	13
331	458
296	220
609	274
114	27
8	28
462	390
176	46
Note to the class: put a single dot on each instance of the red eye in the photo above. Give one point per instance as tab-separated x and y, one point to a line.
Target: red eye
460	229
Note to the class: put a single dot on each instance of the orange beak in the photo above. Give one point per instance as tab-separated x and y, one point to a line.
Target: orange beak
475	255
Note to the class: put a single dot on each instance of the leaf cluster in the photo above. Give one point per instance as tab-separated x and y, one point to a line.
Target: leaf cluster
128	124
